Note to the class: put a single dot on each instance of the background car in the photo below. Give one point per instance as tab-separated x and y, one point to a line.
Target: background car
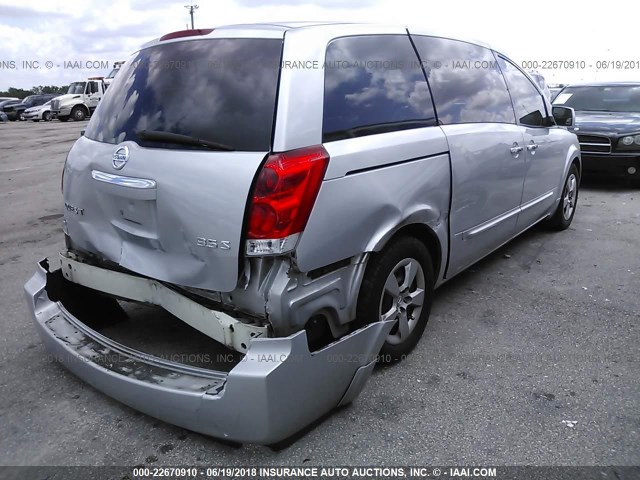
608	126
116	68
554	92
40	112
5	103
3	116
15	110
4	99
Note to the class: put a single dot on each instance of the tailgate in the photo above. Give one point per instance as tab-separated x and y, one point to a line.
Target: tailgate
160	181
175	216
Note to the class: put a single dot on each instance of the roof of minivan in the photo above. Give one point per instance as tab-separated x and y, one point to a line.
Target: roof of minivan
284	26
605	84
287	25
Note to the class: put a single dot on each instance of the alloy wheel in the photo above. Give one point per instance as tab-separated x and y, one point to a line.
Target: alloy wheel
569	199
402	299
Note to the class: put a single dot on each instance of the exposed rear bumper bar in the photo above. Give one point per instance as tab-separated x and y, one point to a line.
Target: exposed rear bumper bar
215	324
277	389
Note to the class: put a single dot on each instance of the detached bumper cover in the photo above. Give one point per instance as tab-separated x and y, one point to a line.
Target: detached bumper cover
276	390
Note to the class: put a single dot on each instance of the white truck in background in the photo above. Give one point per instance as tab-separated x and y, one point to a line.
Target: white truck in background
116	68
80	101
542	83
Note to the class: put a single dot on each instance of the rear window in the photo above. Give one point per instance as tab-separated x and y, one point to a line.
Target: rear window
218	90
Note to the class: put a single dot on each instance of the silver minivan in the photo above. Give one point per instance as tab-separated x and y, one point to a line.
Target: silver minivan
295	192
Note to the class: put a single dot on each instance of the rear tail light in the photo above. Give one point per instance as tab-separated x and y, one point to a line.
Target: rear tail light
283	197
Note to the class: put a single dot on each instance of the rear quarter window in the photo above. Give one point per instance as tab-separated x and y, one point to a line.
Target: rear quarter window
219	90
465	80
373	84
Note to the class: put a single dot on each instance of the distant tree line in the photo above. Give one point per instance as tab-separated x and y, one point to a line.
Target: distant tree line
22	93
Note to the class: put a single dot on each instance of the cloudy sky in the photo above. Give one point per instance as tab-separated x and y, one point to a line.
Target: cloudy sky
62	31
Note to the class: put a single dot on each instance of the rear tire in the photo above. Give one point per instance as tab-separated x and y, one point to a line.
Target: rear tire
563	216
398	284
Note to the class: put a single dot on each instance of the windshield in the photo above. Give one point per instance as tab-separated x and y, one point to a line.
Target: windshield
613	98
113	72
76	87
217	90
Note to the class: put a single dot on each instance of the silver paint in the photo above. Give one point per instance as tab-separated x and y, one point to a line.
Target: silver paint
153	231
473	187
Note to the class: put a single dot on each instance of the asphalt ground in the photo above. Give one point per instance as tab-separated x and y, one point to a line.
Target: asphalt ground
531	357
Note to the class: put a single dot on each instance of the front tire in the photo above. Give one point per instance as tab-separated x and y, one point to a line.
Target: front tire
398	285
78	114
563	216
46	116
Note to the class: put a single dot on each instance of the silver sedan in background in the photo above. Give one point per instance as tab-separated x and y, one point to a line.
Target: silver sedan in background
37	113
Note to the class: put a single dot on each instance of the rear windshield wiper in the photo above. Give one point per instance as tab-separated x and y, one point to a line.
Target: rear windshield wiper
157	136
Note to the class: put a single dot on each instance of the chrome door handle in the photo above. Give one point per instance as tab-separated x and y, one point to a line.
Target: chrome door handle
532	147
516	150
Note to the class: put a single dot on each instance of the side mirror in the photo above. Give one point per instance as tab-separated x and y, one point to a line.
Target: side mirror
564	116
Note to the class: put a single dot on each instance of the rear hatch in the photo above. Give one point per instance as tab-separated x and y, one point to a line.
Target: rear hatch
160	181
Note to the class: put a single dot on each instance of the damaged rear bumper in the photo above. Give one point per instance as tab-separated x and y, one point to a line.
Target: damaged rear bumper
277	389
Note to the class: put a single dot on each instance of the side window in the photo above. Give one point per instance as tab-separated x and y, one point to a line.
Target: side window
373	84
465	81
94	87
527	100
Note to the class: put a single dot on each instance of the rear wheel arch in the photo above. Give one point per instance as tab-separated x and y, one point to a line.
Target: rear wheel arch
423	233
420	232
406	262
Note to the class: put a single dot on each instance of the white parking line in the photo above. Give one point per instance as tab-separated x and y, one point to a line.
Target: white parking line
15	169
